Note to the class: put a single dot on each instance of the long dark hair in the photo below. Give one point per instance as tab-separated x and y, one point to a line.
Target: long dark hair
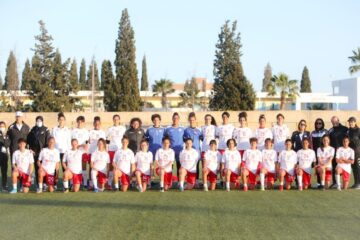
322	124
213	121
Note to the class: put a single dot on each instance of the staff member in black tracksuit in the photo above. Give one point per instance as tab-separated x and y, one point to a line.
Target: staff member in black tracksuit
337	134
37	140
354	135
135	134
298	136
316	137
4	144
19	129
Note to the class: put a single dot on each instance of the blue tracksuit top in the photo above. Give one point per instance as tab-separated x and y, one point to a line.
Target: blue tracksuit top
154	135
195	135
176	138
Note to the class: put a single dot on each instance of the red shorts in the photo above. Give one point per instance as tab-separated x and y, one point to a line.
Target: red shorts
306	178
328	174
289	178
190	177
77	178
345	175
86	157
125	179
252	177
270	177
144	178
168	177
202	155
234	177
24	179
221	151
49	179
111	155
101	177
241	153
212	177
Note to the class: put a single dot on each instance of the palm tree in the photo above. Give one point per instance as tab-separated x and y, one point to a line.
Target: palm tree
163	87
355	59
286	88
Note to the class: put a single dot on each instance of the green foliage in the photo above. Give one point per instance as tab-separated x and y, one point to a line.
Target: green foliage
107	80
284	87
73	77
96	77
82	75
355	60
144	77
11	77
162	88
190	95
26	76
305	84
267	77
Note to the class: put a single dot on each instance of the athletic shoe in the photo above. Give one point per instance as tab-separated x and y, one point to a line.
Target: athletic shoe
108	187
66	190
334	185
181	189
300	188
21	189
281	188
322	187
245	188
139	188
116	190
228	189
13	191
206	189
39	190
262	188
96	190
338	188
355	186
162	189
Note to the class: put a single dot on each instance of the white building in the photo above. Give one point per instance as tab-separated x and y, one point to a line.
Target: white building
348	87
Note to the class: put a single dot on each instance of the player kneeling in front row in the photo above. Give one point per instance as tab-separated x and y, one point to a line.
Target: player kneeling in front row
287	161
189	158
99	164
344	159
164	159
325	155
124	165
48	163
144	166
306	158
231	160
212	160
72	164
23	165
269	165
251	165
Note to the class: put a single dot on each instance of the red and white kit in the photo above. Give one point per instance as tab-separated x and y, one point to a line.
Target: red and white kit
115	135
242	136
143	162
23	160
49	158
287	160
94	136
81	135
213	160
100	161
325	156
224	133
280	134
123	160
189	159
306	158
62	138
261	134
73	158
270	159
164	158
208	132
348	154
232	160
252	158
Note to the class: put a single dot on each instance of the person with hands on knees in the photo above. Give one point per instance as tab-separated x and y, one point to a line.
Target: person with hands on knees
99	164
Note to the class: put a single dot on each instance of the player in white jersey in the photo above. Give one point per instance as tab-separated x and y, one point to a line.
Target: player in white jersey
231	160
81	134
114	136
262	133
164	159
242	134
48	163
269	166
62	136
189	158
251	165
99	164
325	155
23	166
287	162
306	159
280	132
124	165
224	132
208	133
72	164
345	156
212	160
144	166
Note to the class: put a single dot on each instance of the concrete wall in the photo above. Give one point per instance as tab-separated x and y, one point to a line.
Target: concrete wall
291	117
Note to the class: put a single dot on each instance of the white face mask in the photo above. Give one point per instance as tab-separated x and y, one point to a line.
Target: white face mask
39	123
2	130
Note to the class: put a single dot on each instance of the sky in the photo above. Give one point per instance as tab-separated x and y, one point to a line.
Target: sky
179	37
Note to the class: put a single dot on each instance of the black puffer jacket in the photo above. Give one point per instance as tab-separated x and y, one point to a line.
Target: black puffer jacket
15	134
135	136
37	139
4	142
354	135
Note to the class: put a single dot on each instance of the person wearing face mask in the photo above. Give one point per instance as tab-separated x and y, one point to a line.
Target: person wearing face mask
37	139
354	136
19	129
4	144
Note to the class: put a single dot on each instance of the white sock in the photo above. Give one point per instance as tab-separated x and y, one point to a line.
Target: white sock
262	179
228	185
116	185
110	178
85	178
281	183
93	177
322	183
300	180
205	185
337	177
15	186
140	187
181	184
40	186
161	184
245	184
91	183
66	184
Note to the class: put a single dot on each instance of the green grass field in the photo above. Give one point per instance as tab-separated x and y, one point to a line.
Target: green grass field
189	215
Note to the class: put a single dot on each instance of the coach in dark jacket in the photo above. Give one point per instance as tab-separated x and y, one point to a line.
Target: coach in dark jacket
354	135
135	134
19	129
299	135
37	140
4	144
337	134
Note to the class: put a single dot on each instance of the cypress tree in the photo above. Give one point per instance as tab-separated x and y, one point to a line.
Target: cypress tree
144	77
73	77
305	84
11	74
82	75
26	76
1	83
126	82
232	90
107	80
267	77
96	78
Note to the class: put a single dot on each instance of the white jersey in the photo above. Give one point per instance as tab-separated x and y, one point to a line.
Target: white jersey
252	159
73	159
305	159
224	133
242	136
261	134
94	136
123	160
325	156
288	160
100	160
232	160
208	133
81	135
49	158
23	160
189	159
143	162
347	154
62	138
165	157
280	134
213	160
115	135
270	159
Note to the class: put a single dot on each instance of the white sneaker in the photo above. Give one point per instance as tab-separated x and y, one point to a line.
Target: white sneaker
206	189
262	188
339	188
39	190
228	189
